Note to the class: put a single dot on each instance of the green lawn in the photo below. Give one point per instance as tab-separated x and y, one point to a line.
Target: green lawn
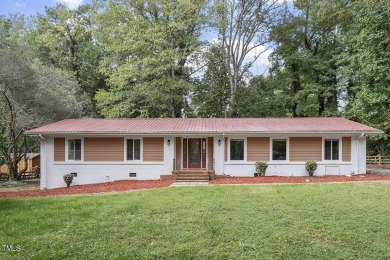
344	221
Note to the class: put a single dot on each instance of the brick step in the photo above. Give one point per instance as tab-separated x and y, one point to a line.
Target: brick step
193	175
193	172
193	178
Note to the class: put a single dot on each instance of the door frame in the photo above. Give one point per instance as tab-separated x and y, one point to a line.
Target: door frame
203	164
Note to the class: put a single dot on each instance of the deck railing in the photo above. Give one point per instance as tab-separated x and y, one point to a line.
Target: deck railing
378	159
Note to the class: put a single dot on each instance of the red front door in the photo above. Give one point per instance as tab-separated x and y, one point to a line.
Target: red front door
194	153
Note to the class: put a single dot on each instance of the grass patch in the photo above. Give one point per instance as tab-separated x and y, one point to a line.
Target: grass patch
344	221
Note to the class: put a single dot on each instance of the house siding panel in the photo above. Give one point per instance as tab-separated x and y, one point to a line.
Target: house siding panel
104	149
304	149
210	153
346	149
178	155
59	149
153	149
258	149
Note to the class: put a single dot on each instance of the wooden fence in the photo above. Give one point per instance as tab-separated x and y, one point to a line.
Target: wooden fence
378	159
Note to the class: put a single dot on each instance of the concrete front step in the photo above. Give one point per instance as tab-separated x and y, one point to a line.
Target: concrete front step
195	180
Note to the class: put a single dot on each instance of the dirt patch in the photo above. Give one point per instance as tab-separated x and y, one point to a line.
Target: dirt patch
90	188
278	179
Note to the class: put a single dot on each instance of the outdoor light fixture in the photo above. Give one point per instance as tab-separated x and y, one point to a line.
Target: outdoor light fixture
219	142
169	142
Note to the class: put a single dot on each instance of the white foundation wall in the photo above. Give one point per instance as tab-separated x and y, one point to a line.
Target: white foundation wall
99	172
357	165
288	169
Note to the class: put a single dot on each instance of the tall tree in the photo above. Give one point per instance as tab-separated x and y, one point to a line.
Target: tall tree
147	44
65	40
31	94
243	26
308	43
366	68
212	91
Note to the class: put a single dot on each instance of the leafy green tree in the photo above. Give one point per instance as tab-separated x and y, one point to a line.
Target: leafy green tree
242	27
64	38
366	69
147	44
308	42
31	94
212	91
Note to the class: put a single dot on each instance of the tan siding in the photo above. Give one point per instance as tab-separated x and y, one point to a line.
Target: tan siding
153	149
346	149
210	153
178	153
303	149
258	149
59	149
226	149
104	149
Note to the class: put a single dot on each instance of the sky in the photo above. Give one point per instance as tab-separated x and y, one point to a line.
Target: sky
32	7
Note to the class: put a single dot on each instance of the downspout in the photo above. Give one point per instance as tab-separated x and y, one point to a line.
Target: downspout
43	158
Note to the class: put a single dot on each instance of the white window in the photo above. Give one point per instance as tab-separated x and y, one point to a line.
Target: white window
133	149
74	149
279	149
236	149
331	149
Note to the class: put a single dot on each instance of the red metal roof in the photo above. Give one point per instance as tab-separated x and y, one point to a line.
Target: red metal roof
204	125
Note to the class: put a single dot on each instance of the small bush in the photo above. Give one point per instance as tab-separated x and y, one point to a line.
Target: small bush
311	167
261	167
68	178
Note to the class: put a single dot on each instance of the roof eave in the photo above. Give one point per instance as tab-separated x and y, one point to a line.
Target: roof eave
204	133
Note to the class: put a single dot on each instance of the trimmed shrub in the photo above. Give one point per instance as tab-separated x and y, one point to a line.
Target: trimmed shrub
68	178
311	167
261	167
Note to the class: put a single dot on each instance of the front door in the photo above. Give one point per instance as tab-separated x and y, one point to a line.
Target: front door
194	153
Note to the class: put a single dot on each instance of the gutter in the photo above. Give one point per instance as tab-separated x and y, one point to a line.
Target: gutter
194	133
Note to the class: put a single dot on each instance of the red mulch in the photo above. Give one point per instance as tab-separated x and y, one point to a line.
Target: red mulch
135	185
91	188
278	179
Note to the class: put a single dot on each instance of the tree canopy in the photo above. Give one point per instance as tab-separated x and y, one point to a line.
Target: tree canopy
196	58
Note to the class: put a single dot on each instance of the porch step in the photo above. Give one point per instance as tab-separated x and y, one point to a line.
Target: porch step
193	176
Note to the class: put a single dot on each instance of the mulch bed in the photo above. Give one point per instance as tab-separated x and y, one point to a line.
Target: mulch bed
136	185
90	188
277	179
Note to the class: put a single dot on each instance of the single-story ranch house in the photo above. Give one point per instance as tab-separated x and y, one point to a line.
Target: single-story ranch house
101	150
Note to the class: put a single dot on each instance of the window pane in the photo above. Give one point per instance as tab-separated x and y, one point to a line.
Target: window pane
328	149
335	149
236	149
279	149
129	149
77	145
70	149
137	149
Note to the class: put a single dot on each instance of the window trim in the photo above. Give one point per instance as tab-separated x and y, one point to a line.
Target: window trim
140	149
67	149
228	148
272	148
340	148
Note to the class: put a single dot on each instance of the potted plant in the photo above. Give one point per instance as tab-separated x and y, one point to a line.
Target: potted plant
68	178
311	167
261	167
